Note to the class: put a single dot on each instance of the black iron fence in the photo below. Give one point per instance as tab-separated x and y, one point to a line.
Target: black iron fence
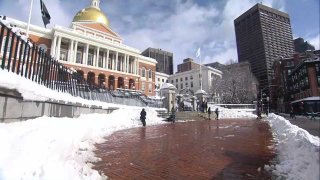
23	57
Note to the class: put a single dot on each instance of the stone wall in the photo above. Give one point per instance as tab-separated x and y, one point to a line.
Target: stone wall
13	108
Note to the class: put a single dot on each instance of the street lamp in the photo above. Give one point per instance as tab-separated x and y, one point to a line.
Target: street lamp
261	96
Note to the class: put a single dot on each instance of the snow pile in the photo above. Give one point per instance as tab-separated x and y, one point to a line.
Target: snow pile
298	151
59	148
231	113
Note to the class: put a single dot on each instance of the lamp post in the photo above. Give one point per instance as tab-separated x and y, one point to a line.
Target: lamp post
261	96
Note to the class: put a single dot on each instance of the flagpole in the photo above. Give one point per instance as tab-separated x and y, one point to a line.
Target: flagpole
28	26
200	73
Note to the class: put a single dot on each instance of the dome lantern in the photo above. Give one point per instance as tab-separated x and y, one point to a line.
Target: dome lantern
95	4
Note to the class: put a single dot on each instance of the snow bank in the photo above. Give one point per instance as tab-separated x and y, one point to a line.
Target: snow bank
232	113
59	148
298	151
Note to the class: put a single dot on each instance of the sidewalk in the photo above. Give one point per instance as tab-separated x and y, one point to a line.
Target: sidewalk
223	149
304	122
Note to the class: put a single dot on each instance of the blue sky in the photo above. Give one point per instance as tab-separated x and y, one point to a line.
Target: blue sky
178	26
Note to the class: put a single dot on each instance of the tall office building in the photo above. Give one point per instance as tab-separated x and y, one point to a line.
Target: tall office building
164	59
263	34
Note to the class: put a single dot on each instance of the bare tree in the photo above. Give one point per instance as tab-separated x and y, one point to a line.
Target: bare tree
237	86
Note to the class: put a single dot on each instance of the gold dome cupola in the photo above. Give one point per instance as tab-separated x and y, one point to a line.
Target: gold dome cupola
92	14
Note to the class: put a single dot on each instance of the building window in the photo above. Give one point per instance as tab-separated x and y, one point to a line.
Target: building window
100	63
63	55
171	81
168	81
43	47
191	77
176	80
143	86
186	78
150	88
159	79
191	84
181	86
143	72
181	79
162	80
150	74
90	60
79	57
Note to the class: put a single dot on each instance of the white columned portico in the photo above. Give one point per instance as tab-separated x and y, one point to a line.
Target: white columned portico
58	48
53	46
75	52
70	51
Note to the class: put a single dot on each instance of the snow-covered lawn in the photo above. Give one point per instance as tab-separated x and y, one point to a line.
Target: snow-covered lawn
59	148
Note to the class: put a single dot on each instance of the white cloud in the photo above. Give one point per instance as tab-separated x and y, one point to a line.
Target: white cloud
315	41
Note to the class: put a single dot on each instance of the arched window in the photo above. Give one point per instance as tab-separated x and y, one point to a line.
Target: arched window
143	72
150	74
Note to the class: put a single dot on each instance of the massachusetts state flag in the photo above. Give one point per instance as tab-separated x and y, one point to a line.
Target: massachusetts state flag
45	14
198	54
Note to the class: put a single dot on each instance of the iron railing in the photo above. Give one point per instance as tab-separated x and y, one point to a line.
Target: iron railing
23	57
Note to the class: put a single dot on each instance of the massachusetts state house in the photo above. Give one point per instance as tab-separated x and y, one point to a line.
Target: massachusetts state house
94	50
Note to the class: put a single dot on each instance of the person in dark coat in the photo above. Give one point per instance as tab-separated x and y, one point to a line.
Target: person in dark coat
143	115
173	114
209	112
205	106
217	113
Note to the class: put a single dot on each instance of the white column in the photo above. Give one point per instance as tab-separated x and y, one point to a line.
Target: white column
107	59
128	65
97	57
75	52
94	57
103	59
116	65
58	48
85	60
125	63
137	67
53	46
70	51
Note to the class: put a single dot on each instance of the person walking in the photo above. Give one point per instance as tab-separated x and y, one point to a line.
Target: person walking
217	113
143	115
173	114
209	112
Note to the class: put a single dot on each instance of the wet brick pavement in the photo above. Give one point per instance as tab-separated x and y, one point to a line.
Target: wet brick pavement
224	149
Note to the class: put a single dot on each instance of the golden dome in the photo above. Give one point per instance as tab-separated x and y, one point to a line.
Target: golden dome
91	14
